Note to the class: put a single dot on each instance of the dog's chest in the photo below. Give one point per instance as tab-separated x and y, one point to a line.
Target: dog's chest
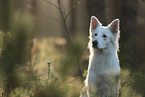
104	65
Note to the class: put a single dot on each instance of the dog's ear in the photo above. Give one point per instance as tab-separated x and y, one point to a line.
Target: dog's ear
114	26
94	23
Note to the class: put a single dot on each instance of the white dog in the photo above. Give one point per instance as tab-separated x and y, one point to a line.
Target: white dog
104	70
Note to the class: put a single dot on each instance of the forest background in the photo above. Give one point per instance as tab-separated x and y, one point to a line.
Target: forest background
43	45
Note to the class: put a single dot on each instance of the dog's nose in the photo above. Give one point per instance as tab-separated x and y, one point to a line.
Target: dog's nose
95	44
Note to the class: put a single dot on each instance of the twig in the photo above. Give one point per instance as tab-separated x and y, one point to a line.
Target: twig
67	30
51	4
64	21
48	72
71	10
34	9
64	18
62	15
80	70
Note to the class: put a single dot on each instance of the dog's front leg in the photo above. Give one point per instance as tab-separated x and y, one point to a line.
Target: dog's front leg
92	90
115	91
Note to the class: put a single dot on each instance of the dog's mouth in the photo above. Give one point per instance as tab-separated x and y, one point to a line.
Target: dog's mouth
95	46
98	48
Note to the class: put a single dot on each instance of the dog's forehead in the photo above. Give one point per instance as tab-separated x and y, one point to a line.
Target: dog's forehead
102	30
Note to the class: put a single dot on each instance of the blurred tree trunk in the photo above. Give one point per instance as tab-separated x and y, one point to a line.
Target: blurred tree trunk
97	8
6	9
128	19
140	36
113	9
128	25
15	50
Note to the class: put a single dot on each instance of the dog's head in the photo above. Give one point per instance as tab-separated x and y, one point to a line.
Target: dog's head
103	37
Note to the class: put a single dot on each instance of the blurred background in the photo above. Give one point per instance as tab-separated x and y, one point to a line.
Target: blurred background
43	45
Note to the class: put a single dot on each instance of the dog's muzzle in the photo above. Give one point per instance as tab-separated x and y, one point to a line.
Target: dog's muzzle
95	44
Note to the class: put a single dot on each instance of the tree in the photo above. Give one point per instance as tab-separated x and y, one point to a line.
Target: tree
6	10
128	25
97	8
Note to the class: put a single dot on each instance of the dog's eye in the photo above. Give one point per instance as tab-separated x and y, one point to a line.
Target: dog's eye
104	36
95	34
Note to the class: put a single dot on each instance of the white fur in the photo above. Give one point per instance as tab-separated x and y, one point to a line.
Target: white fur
104	70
